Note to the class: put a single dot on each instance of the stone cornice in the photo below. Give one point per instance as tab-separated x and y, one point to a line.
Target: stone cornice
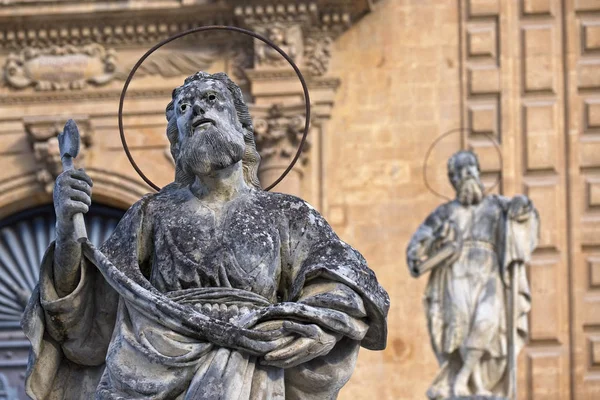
72	96
115	31
42	23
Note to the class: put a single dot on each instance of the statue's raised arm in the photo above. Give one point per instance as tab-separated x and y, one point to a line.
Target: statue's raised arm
476	248
210	288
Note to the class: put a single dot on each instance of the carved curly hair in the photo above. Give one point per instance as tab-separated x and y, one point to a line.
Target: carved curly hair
251	158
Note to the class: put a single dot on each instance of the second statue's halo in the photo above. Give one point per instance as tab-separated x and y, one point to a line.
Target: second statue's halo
451	132
203	29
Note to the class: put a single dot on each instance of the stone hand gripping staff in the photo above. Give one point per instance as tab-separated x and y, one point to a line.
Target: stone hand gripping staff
68	142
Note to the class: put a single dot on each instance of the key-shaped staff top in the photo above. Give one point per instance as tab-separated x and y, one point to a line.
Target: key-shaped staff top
68	142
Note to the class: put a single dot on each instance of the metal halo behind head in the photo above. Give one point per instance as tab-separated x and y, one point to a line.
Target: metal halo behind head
438	194
212	28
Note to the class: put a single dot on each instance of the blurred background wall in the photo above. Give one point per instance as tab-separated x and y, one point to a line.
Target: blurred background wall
386	79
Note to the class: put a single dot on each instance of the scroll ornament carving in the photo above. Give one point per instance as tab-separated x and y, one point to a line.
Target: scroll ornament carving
60	67
278	135
42	134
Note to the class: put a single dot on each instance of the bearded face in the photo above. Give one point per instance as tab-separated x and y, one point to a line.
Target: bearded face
211	137
466	181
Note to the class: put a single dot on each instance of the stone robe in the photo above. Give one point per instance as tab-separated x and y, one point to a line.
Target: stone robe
157	309
466	297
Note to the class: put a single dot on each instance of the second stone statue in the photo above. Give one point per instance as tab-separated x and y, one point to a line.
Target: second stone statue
209	289
477	299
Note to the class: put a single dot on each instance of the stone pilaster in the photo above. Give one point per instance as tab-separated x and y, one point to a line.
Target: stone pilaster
306	33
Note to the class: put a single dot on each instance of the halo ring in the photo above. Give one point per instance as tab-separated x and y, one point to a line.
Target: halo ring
432	146
213	28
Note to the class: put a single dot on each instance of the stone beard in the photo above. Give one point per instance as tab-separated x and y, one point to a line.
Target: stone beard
211	151
471	245
470	192
210	288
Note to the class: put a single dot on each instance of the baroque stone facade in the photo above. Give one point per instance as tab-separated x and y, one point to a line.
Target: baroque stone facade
386	78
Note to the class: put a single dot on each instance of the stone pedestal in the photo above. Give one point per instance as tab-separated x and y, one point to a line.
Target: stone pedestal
478	398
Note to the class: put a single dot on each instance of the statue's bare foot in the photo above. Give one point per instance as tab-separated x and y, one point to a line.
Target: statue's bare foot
483	392
438	393
461	386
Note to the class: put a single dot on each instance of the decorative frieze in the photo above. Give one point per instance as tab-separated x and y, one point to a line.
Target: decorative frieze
173	63
104	31
269	13
74	67
60	67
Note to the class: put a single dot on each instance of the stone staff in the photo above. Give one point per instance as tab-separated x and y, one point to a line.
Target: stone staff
68	142
512	338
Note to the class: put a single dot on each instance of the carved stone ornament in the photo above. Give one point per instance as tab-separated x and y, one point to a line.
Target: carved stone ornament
288	38
278	135
172	63
42	135
211	288
317	53
476	249
60	67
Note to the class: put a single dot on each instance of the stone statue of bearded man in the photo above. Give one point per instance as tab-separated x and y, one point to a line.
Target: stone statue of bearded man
208	289
476	247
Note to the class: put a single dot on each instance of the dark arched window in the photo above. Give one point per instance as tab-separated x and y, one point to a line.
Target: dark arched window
24	238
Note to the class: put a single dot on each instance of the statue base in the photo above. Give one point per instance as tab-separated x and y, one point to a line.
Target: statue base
477	397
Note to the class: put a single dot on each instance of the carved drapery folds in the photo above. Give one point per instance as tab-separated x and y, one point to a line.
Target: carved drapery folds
42	134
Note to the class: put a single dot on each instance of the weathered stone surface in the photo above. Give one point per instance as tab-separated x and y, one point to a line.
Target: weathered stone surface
405	62
210	288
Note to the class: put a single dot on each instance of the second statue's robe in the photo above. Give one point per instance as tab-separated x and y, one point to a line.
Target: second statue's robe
465	299
156	306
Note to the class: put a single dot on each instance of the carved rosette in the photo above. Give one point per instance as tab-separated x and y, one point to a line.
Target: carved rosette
60	67
42	134
278	136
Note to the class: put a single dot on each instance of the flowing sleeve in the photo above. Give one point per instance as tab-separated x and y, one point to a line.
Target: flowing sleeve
331	280
70	335
522	231
421	243
521	235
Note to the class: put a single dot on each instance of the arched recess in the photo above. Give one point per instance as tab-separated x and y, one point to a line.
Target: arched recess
24	237
110	188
